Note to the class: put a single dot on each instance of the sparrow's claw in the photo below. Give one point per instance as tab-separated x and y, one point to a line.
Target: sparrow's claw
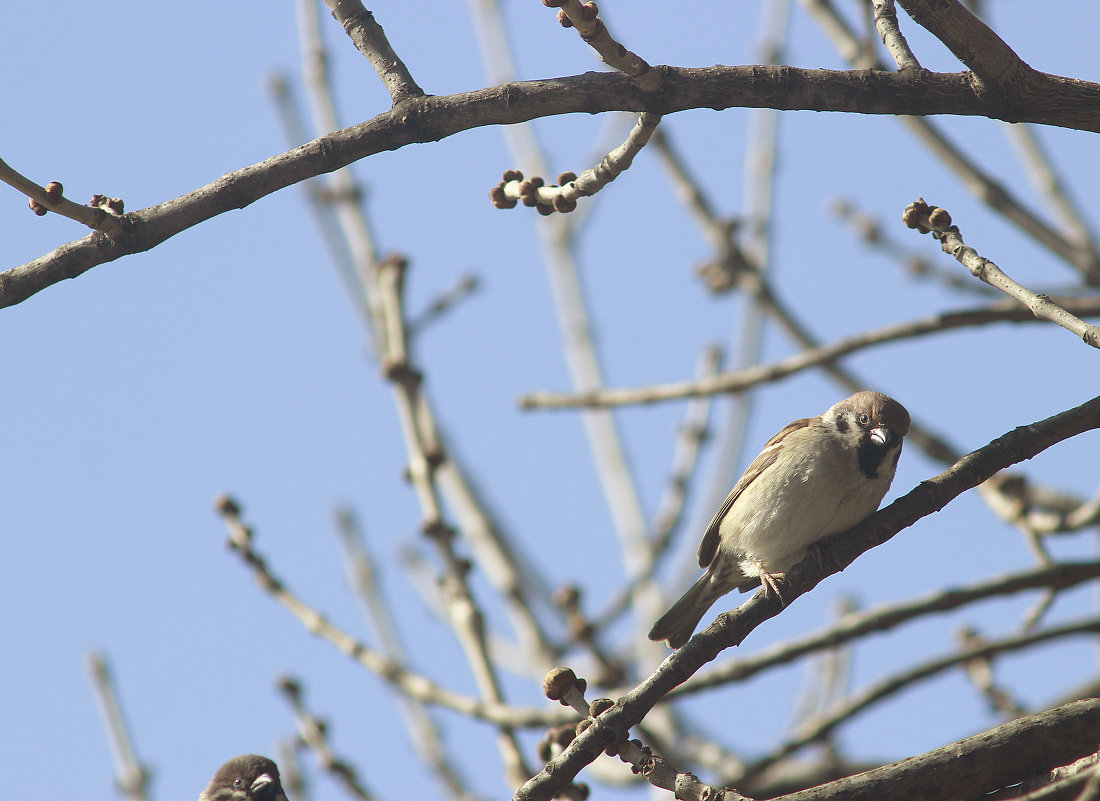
823	555
770	582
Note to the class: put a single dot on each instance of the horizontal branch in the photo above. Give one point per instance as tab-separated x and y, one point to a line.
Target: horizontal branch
739	380
1050	100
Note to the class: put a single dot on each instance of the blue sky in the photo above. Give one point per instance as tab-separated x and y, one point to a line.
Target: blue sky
229	359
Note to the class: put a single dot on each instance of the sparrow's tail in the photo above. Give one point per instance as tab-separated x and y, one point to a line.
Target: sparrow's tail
678	623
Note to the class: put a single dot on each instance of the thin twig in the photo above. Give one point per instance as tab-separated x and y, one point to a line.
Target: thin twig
666	521
879	691
740	380
314	733
412	684
927	218
424	735
131	775
425	452
980	183
562	197
50	198
889	616
585	18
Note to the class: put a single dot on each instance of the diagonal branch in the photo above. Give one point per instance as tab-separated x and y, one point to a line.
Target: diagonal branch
731	628
930	219
371	41
974	43
972	767
884	618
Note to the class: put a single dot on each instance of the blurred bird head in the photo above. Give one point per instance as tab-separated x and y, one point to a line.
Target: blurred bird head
248	777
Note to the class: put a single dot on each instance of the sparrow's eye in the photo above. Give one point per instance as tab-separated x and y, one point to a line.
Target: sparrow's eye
238	782
864	419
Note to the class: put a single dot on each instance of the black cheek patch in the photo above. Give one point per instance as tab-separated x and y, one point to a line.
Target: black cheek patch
870	457
842	424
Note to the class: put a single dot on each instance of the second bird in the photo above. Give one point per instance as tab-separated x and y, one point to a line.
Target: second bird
816	477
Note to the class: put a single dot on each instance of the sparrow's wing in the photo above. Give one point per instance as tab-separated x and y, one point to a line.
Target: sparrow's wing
708	548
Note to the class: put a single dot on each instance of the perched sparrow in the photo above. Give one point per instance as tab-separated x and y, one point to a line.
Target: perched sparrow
816	477
248	777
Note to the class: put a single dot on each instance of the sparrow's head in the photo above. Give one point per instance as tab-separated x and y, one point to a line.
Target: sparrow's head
248	777
876	423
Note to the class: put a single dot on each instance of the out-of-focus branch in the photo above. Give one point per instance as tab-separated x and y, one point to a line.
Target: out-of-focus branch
466	285
314	733
980	183
731	628
670	510
343	196
883	618
740	380
424	734
816	730
980	672
930	219
581	355
131	775
425	453
412	684
1048	181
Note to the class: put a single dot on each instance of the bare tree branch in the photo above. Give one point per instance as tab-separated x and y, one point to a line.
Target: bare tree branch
371	41
131	775
1056	100
927	219
740	380
731	628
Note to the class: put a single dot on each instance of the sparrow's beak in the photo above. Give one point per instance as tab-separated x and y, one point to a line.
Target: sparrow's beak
262	781
882	435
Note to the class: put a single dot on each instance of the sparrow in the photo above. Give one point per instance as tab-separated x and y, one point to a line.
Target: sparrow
818	476
248	777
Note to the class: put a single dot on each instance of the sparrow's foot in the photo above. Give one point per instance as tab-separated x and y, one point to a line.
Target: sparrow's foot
823	554
770	582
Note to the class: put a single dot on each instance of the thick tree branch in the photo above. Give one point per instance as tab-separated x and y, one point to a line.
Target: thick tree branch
972	767
731	628
1064	102
995	65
